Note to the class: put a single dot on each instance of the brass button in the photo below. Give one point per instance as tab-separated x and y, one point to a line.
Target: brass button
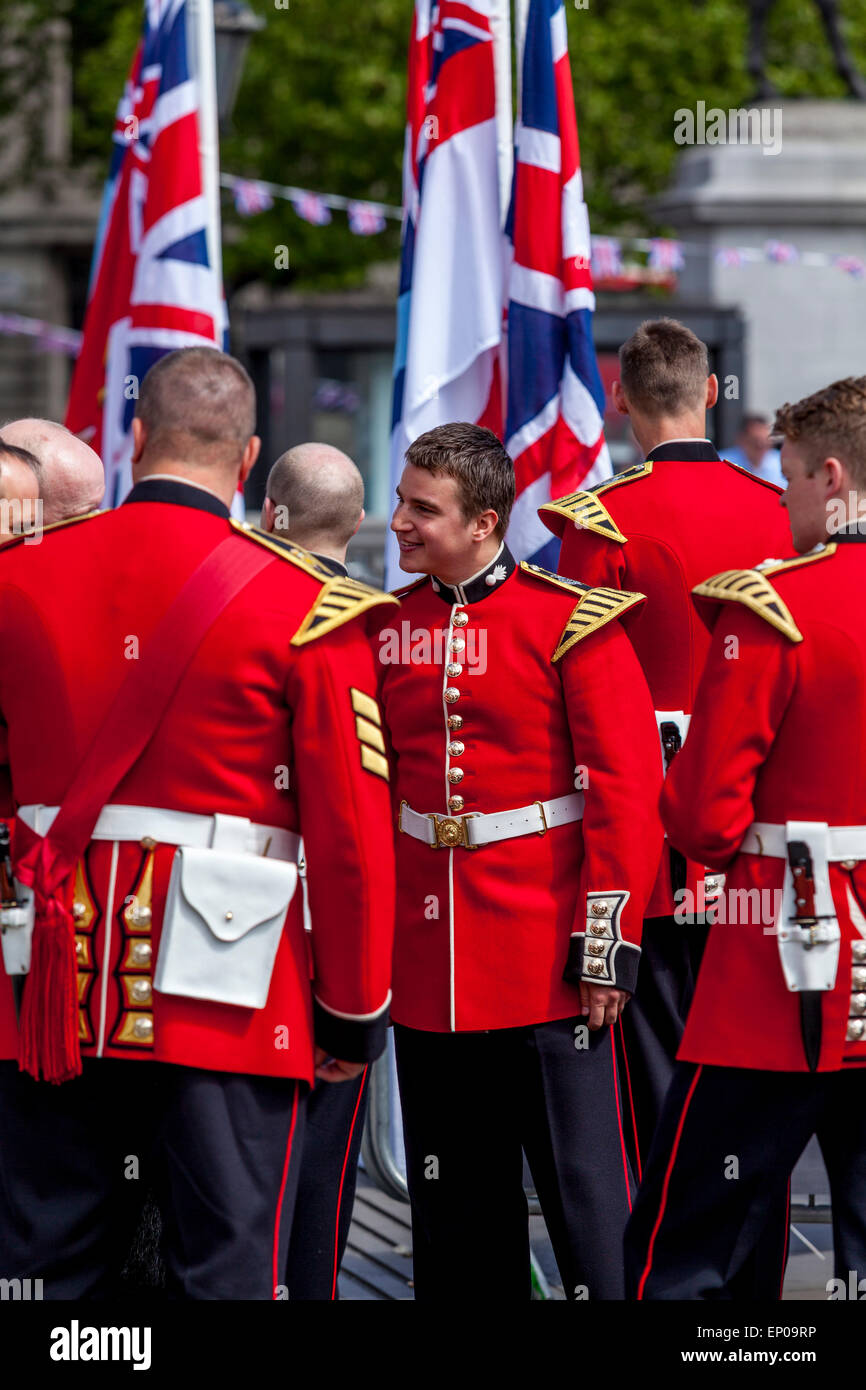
858	977
140	916
858	1005
143	1028
455	803
455	774
142	952
858	950
79	910
600	910
79	950
455	721
456	748
856	1029
453	669
460	619
141	991
595	948
451	695
598	929
594	967
147	843
457	644
847	863
229	916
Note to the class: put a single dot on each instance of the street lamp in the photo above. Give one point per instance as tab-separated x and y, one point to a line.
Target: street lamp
234	25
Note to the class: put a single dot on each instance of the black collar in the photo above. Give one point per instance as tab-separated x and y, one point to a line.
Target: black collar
330	563
685	451
853	532
180	493
480	585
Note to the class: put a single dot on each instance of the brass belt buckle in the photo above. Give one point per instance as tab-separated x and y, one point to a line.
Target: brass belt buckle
451	832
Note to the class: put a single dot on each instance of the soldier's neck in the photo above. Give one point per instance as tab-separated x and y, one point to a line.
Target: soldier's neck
475	565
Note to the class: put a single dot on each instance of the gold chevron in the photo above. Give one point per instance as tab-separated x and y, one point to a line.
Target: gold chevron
365	705
369	733
584	509
754	591
374	762
596	608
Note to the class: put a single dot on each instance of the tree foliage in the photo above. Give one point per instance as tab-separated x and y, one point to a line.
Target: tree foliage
321	104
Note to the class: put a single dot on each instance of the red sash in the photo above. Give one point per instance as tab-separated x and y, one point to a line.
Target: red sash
49	1015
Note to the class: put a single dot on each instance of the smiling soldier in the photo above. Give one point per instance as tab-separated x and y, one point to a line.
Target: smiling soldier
526	799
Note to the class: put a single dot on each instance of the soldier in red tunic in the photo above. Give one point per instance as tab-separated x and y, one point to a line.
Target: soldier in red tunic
771	789
526	784
166	969
661	527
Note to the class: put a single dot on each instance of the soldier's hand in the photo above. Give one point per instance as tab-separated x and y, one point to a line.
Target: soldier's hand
330	1068
601	1003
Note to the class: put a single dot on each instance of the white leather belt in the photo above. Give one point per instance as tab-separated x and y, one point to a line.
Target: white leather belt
233	834
844	841
473	829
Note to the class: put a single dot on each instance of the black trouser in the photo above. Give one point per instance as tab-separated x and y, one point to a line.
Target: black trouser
221	1151
473	1104
727	1142
326	1190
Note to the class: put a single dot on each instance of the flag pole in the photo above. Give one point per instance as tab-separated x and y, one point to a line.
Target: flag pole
201	38
500	27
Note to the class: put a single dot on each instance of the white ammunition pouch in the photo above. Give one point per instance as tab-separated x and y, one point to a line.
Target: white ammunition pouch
672	716
809	955
224	916
16	932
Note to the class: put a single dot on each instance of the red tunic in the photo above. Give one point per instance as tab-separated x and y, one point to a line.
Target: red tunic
284	734
777	735
660	528
483	935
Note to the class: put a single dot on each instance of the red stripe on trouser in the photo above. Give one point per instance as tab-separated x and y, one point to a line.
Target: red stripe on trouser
279	1212
342	1182
630	1099
616	1097
787	1238
670	1168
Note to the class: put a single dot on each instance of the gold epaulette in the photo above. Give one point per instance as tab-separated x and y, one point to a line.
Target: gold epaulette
562	581
596	608
628	475
340	598
753	590
581	509
795	561
52	526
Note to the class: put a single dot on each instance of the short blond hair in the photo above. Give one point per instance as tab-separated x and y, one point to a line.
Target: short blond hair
830	423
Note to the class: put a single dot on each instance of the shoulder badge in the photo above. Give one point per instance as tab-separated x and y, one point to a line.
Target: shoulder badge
753	590
52	526
340	598
581	509
596	608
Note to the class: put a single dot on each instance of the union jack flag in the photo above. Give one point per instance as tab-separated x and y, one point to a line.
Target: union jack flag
606	259
312	208
365	219
782	252
156	282
251	197
554	428
450	304
665	254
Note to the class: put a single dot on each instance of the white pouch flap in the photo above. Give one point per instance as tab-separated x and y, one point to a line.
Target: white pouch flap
224	917
809	957
16	932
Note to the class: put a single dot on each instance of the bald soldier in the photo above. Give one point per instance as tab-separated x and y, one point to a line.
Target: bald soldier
72	476
315	498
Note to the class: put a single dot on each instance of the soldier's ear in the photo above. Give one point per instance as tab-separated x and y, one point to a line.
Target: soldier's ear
712	391
250	454
619	399
139	438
